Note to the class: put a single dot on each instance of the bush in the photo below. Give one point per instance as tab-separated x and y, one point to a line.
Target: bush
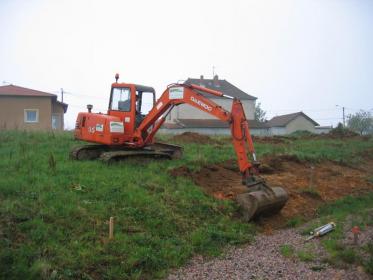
341	131
301	133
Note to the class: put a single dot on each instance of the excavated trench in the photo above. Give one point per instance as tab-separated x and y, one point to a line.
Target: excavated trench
309	185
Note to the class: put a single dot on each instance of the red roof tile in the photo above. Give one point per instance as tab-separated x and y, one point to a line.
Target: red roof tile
12	90
283	120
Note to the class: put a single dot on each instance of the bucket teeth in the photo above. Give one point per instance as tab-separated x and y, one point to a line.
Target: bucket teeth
263	200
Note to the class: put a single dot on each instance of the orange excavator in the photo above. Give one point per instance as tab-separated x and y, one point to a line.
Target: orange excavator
125	132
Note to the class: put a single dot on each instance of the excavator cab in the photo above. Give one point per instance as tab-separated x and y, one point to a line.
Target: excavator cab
131	103
128	106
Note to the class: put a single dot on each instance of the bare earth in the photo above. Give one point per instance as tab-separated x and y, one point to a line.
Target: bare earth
263	260
309	186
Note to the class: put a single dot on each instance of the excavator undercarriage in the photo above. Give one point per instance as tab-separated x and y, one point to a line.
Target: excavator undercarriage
110	154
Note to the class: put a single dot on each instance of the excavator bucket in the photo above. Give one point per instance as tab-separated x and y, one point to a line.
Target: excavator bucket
261	200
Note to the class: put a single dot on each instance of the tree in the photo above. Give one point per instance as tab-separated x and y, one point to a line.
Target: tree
259	114
361	122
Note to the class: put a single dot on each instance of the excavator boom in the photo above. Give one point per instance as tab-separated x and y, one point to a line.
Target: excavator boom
190	94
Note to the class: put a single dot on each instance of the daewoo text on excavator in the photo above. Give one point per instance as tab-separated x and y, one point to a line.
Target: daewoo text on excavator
125	131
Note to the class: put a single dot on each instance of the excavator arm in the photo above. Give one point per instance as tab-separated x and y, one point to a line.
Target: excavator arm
260	198
191	94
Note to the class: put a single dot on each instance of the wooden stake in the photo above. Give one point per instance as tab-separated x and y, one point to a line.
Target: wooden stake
356	231
111	228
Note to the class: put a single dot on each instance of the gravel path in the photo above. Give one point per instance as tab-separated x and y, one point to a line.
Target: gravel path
263	260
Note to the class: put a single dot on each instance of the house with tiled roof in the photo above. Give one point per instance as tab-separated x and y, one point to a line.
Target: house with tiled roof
289	123
187	118
29	109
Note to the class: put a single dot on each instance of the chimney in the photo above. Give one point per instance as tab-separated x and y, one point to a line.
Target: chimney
201	81
216	81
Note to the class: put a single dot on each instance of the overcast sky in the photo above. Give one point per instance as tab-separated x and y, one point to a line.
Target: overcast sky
292	55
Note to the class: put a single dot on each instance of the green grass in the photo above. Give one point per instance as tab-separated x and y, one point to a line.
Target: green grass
368	264
370	179
287	250
305	256
346	213
54	212
347	151
295	221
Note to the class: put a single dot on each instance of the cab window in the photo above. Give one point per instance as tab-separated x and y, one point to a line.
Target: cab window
144	102
121	99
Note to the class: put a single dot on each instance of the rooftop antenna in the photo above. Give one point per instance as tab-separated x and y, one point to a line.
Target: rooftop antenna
62	92
213	71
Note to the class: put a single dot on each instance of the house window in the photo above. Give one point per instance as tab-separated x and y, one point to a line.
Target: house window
56	121
31	115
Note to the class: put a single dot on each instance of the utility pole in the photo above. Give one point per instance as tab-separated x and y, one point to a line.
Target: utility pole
62	95
343	112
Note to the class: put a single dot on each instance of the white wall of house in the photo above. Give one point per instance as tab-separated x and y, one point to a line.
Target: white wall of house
211	131
277	130
186	111
323	129
300	123
260	131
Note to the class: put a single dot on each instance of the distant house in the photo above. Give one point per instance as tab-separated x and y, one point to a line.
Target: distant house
286	124
211	127
279	125
24	108
323	129
187	118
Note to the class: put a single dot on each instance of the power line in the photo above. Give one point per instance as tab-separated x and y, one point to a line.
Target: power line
298	109
81	95
325	119
84	107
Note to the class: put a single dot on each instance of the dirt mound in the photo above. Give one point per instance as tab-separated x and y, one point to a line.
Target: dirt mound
192	137
222	181
308	185
271	139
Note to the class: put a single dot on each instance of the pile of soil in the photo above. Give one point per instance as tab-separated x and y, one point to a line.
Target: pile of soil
192	137
271	139
308	185
222	181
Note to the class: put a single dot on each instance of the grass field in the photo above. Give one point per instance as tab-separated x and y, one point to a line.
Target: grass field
54	212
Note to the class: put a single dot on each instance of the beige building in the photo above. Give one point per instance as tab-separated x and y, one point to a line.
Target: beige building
286	124
187	117
28	109
279	125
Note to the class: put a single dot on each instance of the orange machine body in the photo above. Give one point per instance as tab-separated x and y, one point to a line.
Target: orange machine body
114	128
121	125
130	128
